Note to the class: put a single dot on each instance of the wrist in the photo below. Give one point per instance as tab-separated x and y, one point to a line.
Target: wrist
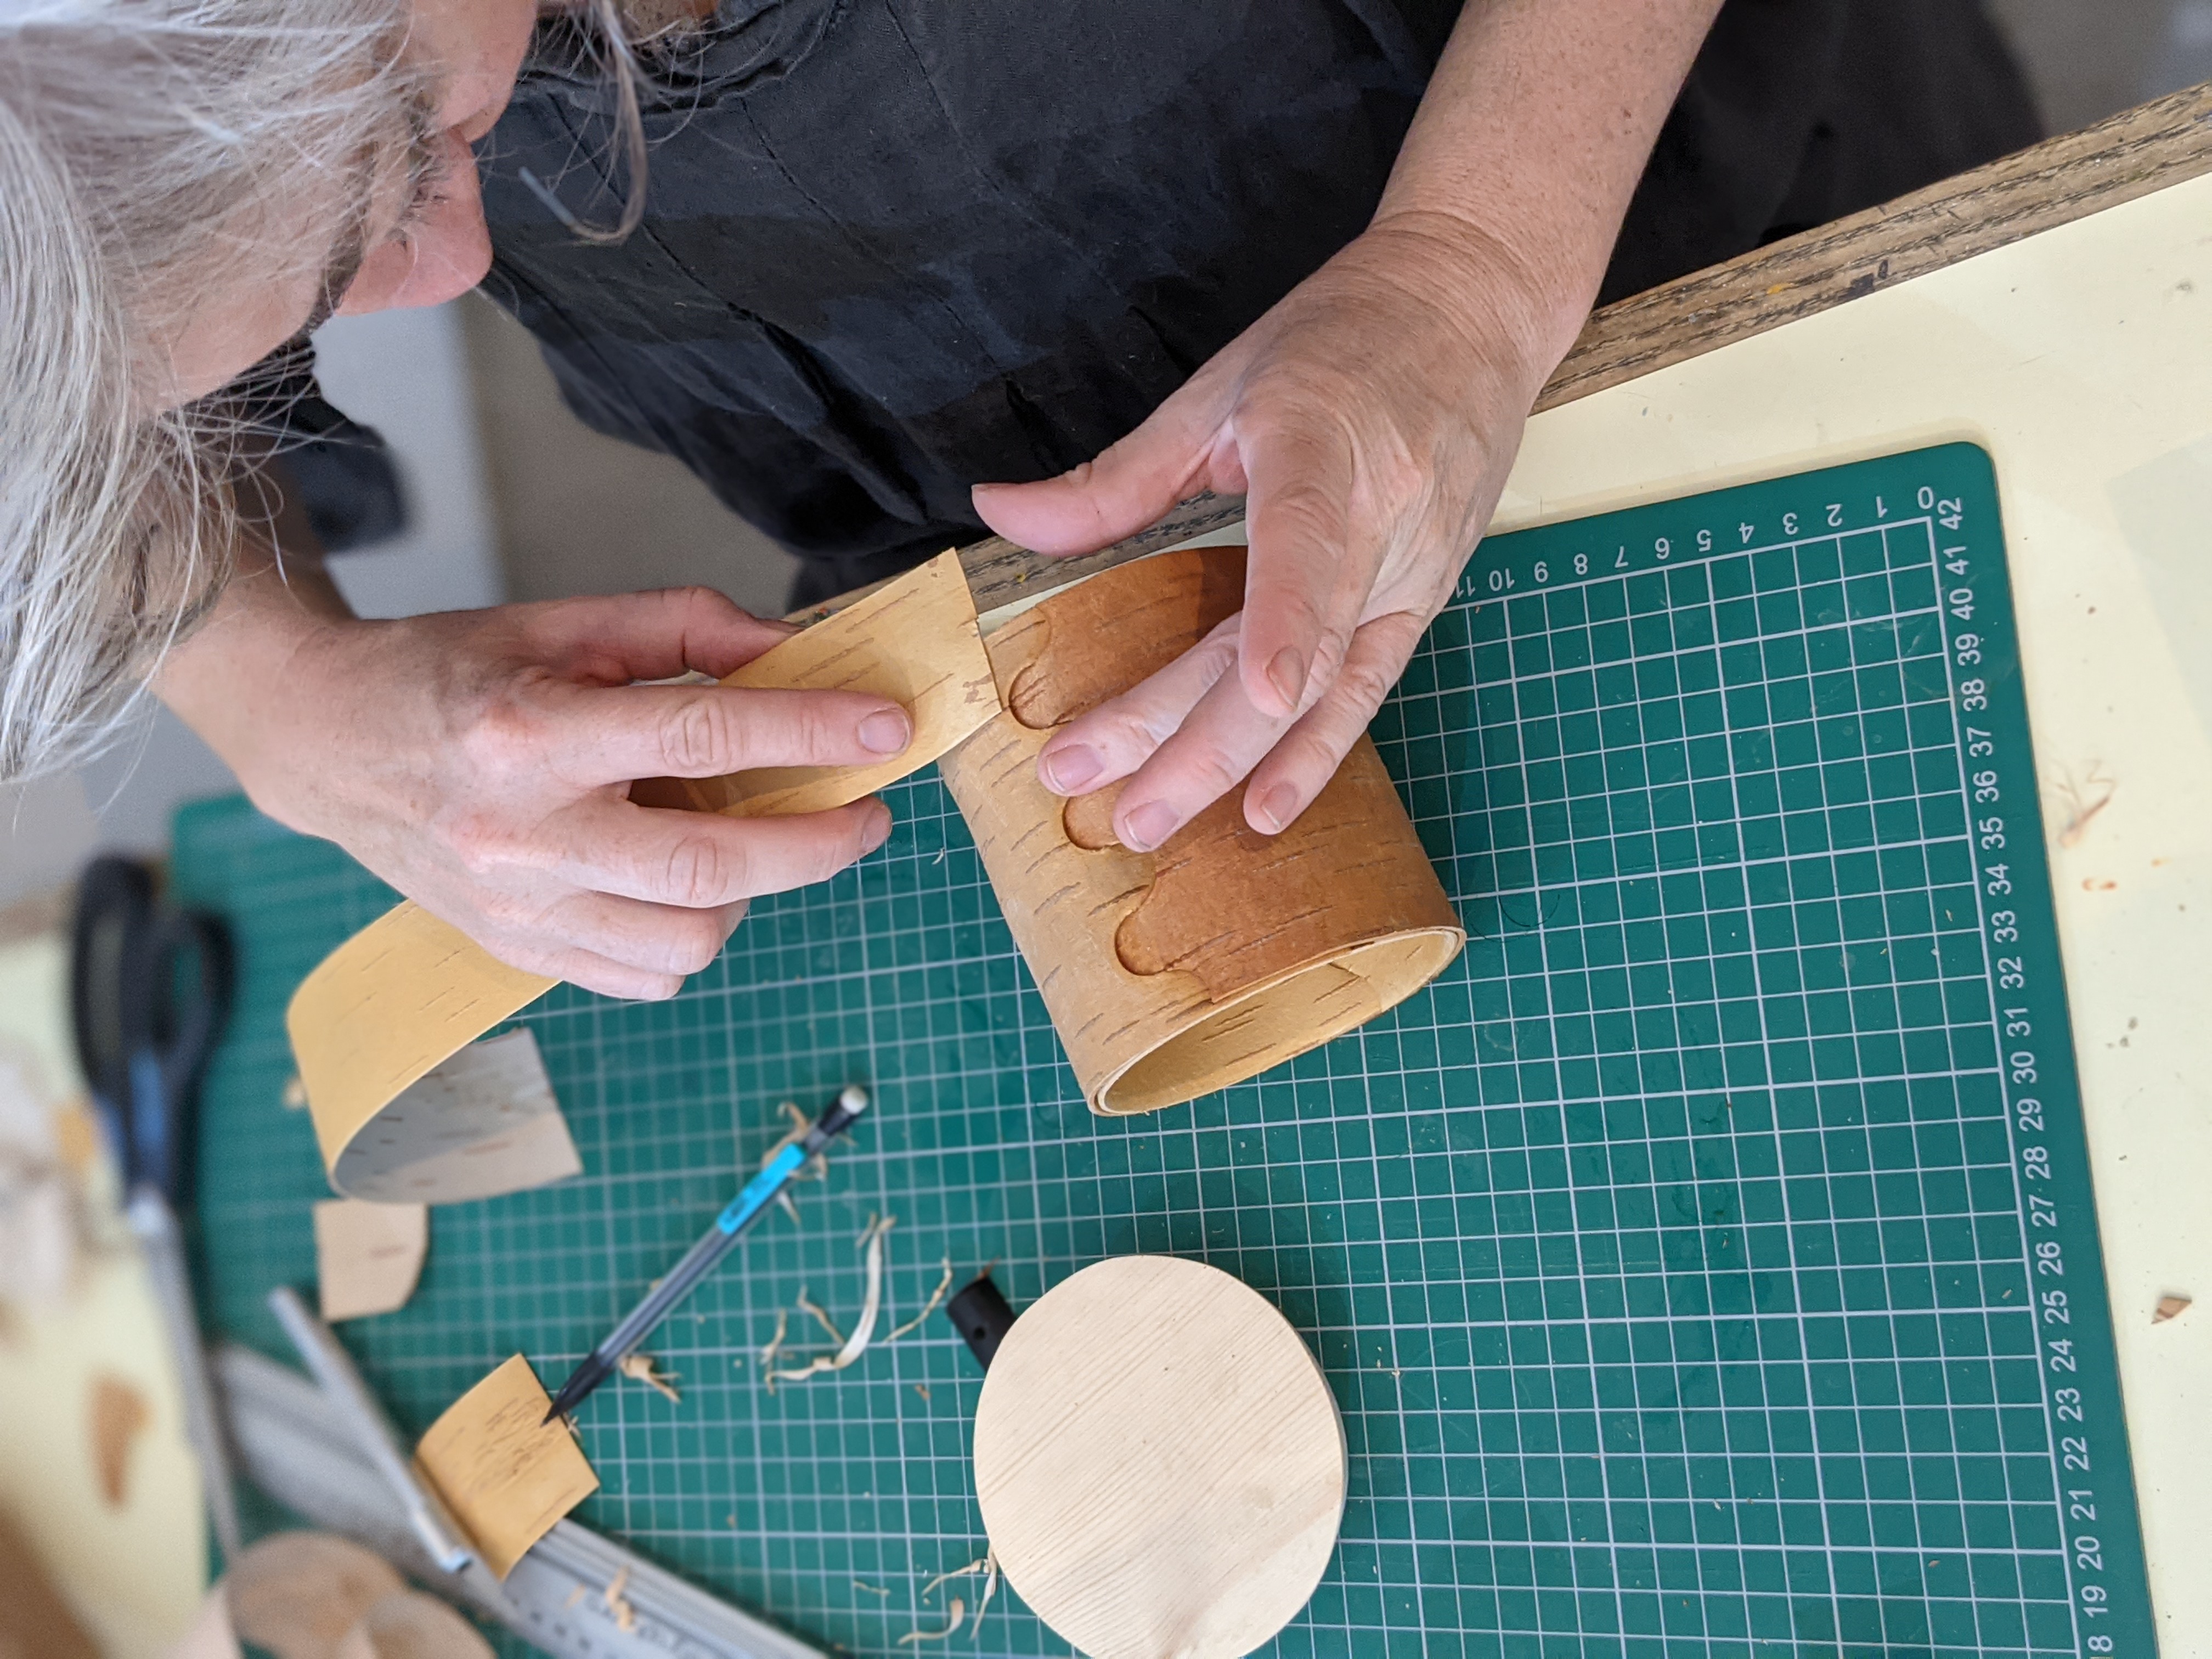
241	678
1521	309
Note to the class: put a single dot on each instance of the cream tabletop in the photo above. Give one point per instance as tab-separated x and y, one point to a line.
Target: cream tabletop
2081	360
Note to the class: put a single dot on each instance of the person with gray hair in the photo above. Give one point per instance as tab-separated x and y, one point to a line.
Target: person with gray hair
885	273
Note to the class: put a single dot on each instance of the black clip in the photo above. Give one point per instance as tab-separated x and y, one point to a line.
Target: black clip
981	1315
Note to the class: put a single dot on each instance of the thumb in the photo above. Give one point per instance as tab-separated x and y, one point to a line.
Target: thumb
1130	485
649	636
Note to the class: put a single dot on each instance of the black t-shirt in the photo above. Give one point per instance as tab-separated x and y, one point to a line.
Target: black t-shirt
897	247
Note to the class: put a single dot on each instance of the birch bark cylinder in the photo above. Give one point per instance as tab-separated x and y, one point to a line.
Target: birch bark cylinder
1172	973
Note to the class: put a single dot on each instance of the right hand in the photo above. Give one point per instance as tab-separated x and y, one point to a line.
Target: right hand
480	762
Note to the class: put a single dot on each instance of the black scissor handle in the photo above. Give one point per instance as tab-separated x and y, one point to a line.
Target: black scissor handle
186	1023
149	989
114	902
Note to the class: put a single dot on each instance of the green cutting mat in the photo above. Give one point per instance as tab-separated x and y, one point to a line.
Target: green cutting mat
1705	1263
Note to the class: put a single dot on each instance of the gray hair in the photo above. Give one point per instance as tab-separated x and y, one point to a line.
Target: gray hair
149	149
152	150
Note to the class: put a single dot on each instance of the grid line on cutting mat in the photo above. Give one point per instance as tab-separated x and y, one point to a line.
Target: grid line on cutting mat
1676	1259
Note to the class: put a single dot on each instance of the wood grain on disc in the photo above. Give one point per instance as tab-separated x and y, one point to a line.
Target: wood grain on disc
1159	1461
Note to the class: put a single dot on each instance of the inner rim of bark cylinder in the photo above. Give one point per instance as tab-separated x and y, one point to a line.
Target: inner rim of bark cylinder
1281	1020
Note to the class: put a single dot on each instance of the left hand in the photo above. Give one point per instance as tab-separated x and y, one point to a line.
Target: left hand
1371	418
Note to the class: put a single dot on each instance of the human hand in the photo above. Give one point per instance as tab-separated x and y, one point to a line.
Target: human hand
480	762
1370	419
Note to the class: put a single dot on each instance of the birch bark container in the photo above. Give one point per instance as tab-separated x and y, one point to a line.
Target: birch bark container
1174	973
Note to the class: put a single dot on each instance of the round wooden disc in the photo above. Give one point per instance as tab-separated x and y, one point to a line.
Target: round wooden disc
1159	1461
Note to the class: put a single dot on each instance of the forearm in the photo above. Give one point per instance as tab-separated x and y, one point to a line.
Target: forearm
1534	132
223	678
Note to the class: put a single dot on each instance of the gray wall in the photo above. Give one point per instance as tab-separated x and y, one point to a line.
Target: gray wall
580	514
2091	57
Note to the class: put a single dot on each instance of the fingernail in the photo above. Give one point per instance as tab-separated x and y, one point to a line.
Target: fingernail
1287	674
1148	826
878	829
886	731
1276	809
1069	771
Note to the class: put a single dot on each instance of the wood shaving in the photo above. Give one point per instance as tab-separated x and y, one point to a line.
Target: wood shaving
2084	801
2169	1307
814	1168
295	1094
808	1305
959	1611
990	1585
872	1590
928	1307
775	1346
574	1597
920	1390
981	1564
639	1367
618	1604
871	1304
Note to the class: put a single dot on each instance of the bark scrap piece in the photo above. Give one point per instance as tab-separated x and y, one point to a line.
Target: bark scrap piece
368	1256
297	1594
2169	1307
506	1472
117	1414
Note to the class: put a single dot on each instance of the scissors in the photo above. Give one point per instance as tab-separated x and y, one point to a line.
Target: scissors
149	988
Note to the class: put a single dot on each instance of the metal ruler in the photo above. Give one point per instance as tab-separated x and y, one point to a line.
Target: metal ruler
295	1446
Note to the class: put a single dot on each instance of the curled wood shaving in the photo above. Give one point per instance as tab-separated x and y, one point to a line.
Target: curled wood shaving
959	1611
990	1584
871	1303
988	1564
928	1307
618	1604
774	1346
808	1305
977	1566
2081	806
814	1168
872	1590
639	1367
